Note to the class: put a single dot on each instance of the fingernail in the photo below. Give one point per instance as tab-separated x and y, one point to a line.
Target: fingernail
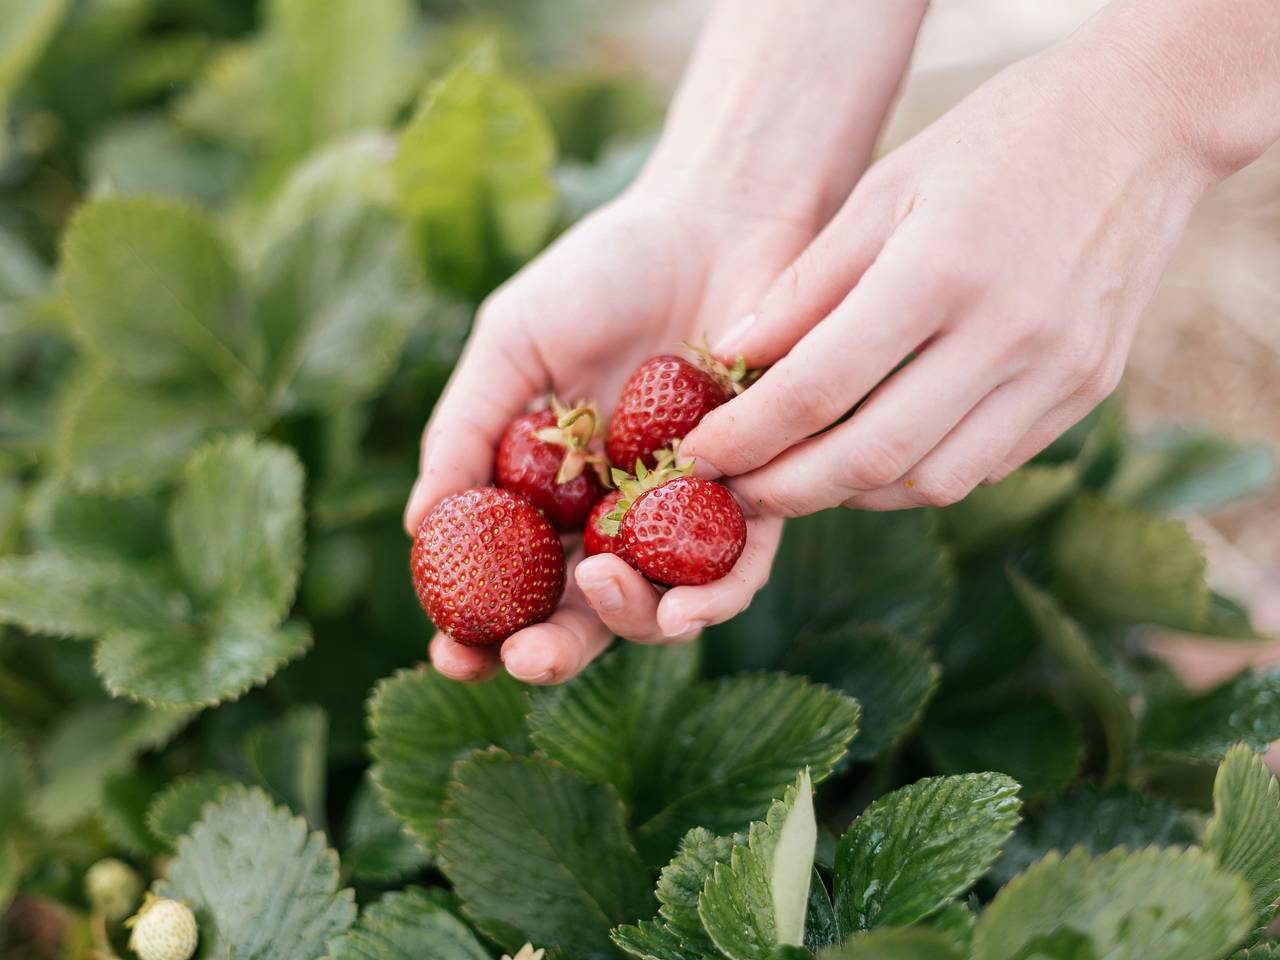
528	665
704	468
688	627
607	594
730	342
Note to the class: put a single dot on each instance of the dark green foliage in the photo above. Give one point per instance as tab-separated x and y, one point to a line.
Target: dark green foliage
241	247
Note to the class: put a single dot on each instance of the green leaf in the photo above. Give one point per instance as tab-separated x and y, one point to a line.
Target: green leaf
66	596
1119	564
25	29
15	779
123	812
1098	821
198	665
237	526
1027	737
378	848
422	723
891	677
916	848
92	744
894	945
407	925
1205	726
336	297
354	170
154	292
736	744
65	520
991	514
533	847
954	921
473	173
128	437
677	932
610	722
177	807
1090	680
987	636
287	756
331	69
1244	833
1266	951
1171	904
259	884
1188	470
837	567
820	926
149	156
758	900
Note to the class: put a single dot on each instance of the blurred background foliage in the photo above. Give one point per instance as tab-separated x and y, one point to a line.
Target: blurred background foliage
241	244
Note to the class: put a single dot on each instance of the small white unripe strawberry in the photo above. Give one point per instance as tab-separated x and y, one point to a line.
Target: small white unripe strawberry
113	887
163	930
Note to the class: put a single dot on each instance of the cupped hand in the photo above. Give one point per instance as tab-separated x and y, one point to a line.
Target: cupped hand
1008	251
635	279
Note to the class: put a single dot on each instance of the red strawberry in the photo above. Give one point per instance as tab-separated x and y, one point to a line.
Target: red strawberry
485	564
596	539
686	532
544	457
663	401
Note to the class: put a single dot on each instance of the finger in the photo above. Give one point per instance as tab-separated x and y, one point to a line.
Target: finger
1052	425
459	662
623	599
685	611
559	648
968	454
819	278
902	421
888	315
492	384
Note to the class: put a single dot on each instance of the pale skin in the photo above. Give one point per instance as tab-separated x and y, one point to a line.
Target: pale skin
1012	247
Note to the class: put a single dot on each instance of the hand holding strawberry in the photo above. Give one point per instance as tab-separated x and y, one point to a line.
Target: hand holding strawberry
627	284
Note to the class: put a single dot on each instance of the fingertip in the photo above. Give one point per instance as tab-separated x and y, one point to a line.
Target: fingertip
460	662
414	509
530	655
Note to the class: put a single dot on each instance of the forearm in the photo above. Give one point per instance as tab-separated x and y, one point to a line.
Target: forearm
782	101
1209	69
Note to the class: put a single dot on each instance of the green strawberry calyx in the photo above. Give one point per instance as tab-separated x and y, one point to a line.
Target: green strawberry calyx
576	427
644	480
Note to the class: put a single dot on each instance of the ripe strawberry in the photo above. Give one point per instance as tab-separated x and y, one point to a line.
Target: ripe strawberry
664	399
596	539
545	458
686	532
485	564
163	930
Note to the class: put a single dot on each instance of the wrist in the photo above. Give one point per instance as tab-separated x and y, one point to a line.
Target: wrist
1196	77
780	108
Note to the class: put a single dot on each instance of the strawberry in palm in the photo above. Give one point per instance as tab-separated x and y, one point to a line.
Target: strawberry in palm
664	399
676	529
486	564
546	458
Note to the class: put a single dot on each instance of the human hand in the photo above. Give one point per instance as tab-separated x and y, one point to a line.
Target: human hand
633	280
1011	246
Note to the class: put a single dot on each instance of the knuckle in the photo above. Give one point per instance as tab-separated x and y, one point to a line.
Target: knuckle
944	486
879	462
811	401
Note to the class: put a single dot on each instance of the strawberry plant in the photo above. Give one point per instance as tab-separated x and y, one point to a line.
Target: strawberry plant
240	250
